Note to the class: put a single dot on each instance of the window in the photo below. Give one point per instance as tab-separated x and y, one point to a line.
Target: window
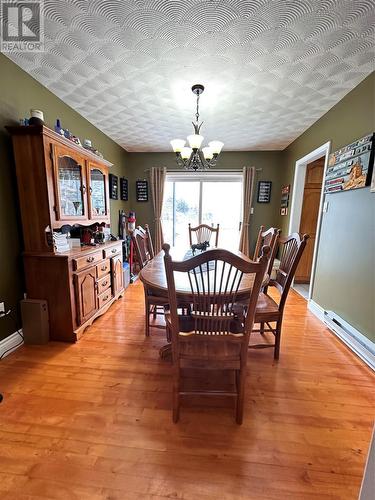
208	198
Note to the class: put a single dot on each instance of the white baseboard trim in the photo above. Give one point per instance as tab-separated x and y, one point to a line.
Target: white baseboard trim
357	343
316	309
10	344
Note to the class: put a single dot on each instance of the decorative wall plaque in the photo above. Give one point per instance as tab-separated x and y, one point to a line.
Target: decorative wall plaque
113	187
142	190
264	191
124	189
350	167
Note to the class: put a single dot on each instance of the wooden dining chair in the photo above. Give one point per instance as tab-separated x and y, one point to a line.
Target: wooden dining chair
268	312
144	251
270	238
212	336
203	233
142	241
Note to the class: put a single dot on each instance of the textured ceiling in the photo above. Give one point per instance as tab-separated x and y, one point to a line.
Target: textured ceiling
271	67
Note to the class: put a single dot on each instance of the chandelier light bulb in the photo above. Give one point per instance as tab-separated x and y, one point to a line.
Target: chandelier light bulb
207	153
216	146
185	153
195	140
177	145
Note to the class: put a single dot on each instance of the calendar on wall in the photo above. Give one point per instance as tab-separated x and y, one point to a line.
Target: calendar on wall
141	187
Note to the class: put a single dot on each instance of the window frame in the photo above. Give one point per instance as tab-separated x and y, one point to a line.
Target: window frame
201	177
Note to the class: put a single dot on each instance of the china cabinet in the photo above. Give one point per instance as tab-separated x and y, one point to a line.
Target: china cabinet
61	183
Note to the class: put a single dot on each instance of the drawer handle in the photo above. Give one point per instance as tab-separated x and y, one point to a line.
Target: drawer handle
103	268
105	298
114	250
105	283
90	259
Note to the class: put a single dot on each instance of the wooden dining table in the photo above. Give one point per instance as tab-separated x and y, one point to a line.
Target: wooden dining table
153	277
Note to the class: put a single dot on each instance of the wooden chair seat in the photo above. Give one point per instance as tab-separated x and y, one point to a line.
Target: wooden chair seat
154	296
267	309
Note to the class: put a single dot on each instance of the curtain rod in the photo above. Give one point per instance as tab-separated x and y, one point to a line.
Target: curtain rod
233	171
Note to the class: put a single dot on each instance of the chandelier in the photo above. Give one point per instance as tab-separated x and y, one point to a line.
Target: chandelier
193	157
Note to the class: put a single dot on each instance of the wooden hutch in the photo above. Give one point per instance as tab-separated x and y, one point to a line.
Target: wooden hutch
59	183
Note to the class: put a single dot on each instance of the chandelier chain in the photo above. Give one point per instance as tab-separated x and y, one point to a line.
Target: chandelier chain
197	113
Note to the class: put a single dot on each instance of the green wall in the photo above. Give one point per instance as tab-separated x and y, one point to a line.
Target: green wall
269	161
18	93
345	278
345	272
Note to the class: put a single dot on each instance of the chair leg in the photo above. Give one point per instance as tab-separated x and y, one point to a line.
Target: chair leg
277	340
261	329
154	311
169	335
240	395
147	317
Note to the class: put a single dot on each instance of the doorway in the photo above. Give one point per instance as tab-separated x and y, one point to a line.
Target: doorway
306	208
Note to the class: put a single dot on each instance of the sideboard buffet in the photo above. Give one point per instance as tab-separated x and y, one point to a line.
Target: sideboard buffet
61	183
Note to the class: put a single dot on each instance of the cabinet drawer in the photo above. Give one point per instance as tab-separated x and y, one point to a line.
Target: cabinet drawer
103	268
87	260
110	252
104	297
104	283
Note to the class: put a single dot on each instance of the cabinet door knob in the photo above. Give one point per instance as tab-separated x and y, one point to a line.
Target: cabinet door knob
83	189
105	283
114	250
90	259
90	190
103	268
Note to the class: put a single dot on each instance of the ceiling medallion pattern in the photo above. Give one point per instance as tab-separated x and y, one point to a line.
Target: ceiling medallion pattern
289	62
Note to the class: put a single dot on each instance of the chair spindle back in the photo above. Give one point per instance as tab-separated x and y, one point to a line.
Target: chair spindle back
291	249
267	238
203	233
143	246
215	278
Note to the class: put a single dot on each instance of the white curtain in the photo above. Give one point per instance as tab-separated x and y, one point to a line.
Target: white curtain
248	188
157	176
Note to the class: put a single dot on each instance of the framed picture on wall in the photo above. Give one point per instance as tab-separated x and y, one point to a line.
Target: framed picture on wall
264	191
141	190
113	187
373	181
124	190
283	211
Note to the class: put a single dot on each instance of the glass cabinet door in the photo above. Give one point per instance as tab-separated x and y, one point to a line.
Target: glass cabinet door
71	188
98	200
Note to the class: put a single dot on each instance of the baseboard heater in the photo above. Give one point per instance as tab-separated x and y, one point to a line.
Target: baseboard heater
360	344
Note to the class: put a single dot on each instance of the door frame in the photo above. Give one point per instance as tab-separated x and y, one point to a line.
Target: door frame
297	200
201	177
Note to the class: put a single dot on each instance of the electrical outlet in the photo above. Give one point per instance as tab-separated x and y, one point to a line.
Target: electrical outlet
2	307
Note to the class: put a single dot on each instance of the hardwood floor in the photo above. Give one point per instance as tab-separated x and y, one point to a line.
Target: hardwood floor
93	420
